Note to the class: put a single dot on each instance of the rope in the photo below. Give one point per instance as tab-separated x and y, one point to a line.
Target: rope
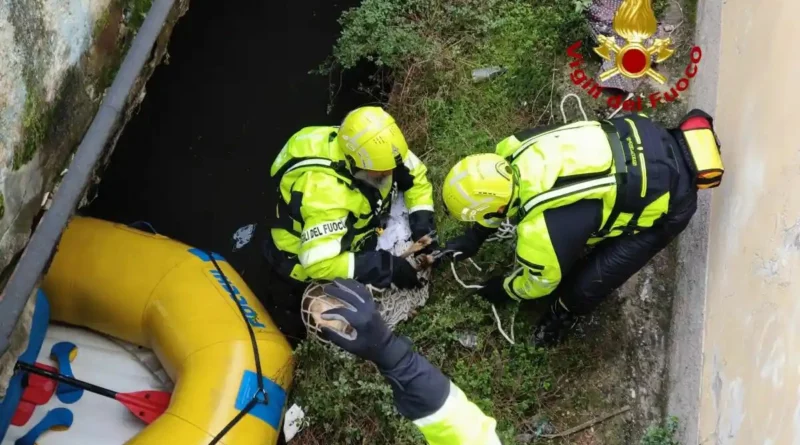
580	105
508	338
500	325
506	231
255	400
620	107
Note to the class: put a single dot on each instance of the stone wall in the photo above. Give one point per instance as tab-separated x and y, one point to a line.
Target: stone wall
750	385
57	58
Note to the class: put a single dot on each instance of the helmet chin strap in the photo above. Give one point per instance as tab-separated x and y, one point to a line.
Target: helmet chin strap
513	201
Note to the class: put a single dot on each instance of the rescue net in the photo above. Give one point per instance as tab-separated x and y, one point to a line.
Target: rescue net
395	305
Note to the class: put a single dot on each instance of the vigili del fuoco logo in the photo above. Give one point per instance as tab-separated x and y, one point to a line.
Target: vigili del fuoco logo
635	23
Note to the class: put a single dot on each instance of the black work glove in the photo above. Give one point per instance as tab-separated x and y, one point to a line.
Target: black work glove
422	222
464	244
370	338
404	276
494	292
420	389
469	243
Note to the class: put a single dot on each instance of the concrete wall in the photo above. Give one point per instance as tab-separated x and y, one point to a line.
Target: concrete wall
687	326
51	59
750	385
57	57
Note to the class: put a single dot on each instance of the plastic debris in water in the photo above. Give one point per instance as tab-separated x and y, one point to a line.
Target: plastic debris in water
243	236
294	422
468	339
481	74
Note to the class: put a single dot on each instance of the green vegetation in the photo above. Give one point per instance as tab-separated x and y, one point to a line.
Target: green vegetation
659	6
100	24
36	120
2	206
581	5
426	51
136	12
662	435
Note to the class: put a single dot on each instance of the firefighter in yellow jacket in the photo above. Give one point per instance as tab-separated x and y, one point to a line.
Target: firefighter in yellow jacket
335	184
624	188
422	394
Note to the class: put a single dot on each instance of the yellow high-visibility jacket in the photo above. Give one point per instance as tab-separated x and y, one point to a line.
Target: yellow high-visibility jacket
326	217
458	422
625	167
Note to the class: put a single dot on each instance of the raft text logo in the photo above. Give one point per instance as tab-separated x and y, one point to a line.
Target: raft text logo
634	22
249	312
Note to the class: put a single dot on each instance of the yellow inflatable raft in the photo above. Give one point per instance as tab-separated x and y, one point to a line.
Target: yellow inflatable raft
150	290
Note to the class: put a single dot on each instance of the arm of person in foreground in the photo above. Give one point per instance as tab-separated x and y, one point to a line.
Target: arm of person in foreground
422	393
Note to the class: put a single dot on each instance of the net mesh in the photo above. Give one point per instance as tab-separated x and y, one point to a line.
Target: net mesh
395	305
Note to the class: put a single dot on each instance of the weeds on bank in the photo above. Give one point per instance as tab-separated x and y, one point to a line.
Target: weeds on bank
425	51
662	435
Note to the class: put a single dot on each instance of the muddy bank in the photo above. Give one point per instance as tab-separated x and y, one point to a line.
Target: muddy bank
194	162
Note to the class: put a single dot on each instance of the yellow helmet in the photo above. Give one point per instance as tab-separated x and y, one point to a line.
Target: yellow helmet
372	139
480	188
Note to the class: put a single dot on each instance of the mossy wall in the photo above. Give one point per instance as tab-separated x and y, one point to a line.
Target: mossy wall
58	57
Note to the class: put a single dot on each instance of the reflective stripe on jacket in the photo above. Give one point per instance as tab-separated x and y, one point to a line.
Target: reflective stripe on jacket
458	422
324	215
623	163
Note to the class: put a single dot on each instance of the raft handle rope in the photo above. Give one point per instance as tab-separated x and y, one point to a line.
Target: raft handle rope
261	392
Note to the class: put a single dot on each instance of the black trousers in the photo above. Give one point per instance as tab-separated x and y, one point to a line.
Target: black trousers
282	298
613	261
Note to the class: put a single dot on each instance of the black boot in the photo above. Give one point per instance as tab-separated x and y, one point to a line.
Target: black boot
553	327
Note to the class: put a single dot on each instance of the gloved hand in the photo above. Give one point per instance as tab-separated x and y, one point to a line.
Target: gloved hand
464	244
370	339
494	292
422	222
468	244
404	276
430	248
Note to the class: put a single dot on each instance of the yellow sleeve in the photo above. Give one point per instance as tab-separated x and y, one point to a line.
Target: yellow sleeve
325	223
538	272
458	422
419	196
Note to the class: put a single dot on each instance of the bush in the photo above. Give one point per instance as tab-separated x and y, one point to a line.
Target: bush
426	51
662	435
